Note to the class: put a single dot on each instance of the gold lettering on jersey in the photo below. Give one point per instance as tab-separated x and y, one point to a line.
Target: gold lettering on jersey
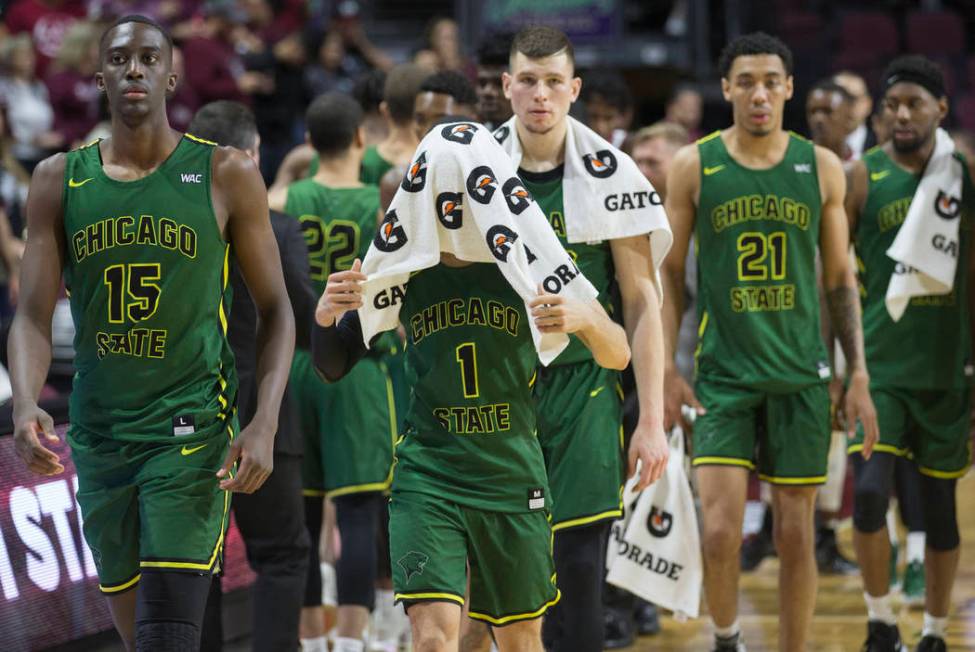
763	298
475	419
127	230
557	220
458	312
747	208
936	300
137	343
893	214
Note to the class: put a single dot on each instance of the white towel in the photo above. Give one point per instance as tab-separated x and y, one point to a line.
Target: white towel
461	196
926	247
606	197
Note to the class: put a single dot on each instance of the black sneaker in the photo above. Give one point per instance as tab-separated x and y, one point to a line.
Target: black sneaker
754	549
829	559
729	644
645	618
931	644
882	637
617	629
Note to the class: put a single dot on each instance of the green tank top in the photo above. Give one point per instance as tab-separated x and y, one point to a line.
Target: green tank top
373	167
470	428
757	233
338	224
147	270
937	327
595	260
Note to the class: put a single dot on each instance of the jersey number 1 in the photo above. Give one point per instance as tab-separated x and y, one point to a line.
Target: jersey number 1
132	292
467	358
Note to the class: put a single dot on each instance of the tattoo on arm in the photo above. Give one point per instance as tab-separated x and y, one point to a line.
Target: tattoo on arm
844	314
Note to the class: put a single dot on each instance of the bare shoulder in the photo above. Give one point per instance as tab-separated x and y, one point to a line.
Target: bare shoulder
687	160
50	170
827	161
232	165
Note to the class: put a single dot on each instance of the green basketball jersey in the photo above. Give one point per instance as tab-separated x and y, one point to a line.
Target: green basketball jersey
146	269
338	223
757	234
595	260
937	327
470	428
374	166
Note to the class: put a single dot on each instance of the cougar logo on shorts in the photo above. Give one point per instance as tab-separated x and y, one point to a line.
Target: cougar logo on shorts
500	239
501	133
481	184
659	522
416	176
390	236
412	563
602	164
516	195
946	206
450	209
462	133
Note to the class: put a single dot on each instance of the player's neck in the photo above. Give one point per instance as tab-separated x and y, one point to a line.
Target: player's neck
914	162
143	146
756	151
399	144
340	171
542	152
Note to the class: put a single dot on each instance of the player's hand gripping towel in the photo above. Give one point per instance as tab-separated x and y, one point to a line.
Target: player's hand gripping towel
926	247
461	195
606	195
655	550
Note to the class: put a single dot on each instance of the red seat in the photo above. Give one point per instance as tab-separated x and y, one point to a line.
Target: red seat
935	32
964	110
868	33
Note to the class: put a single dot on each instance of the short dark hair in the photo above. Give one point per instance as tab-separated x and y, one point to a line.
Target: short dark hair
452	83
136	18
226	123
495	50
916	69
400	90
754	43
332	120
368	90
829	86
540	41
610	87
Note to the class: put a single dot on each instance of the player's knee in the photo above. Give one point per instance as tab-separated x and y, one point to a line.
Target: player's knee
793	537
941	523
720	539
430	638
869	509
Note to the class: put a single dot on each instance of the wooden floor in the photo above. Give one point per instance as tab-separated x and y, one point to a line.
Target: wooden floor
840	622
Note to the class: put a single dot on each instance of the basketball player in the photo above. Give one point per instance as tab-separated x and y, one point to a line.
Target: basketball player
349	426
759	200
443	93
922	392
142	225
581	438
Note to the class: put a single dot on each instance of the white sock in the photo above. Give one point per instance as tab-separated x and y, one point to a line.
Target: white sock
915	547
879	609
343	644
726	632
319	644
892	524
934	626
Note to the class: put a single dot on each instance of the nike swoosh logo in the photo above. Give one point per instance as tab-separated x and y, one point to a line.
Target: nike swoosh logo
877	176
77	184
709	171
190	451
594	393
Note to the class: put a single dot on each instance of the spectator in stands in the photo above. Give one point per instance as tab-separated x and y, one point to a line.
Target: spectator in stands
368	92
965	144
165	12
441	94
861	138
332	69
45	22
346	21
218	71
829	112
441	46
11	252
71	86
684	107
184	102
29	112
609	105
493	108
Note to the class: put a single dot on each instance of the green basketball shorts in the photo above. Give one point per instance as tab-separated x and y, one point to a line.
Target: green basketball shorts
580	429
152	505
432	540
786	436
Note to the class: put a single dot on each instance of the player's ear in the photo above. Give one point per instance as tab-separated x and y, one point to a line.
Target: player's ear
726	89
384	110
360	137
943	107
788	87
100	82
576	86
171	82
506	84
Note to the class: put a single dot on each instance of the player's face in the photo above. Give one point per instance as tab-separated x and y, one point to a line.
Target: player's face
428	107
757	87
602	117
541	90
857	87
136	70
491	103
913	114
829	117
653	157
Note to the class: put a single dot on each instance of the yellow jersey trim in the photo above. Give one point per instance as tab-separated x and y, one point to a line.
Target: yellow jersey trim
449	597
514	617
120	587
221	312
313	493
943	475
710	136
586	520
723	461
819	479
879	448
202	141
361	488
